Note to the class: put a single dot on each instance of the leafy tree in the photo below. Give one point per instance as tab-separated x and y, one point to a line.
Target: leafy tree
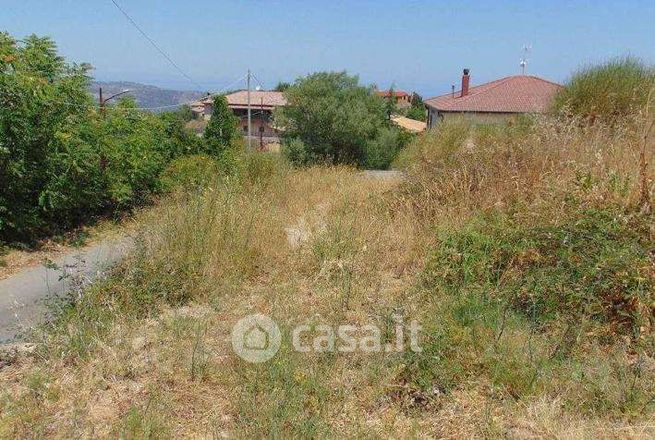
61	161
391	102
333	116
44	123
282	86
222	128
417	110
184	141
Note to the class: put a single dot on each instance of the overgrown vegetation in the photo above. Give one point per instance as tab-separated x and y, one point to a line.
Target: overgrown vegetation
331	118
522	249
62	160
611	91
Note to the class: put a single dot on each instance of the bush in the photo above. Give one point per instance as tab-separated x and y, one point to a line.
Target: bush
610	91
262	167
334	116
189	173
592	265
296	152
382	150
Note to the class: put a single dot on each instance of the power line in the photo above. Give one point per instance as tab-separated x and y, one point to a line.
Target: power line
152	42
258	81
161	107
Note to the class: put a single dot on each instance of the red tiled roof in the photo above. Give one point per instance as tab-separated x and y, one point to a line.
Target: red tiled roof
397	93
513	94
269	99
257	97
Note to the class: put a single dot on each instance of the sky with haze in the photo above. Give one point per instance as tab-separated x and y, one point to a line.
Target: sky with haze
416	45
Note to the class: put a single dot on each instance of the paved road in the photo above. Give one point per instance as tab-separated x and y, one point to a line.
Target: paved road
22	295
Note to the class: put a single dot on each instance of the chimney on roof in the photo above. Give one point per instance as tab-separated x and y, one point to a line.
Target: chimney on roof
466	79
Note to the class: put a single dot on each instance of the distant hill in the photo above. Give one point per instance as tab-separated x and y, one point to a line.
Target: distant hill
145	95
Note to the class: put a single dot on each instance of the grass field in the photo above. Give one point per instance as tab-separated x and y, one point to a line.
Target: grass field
523	251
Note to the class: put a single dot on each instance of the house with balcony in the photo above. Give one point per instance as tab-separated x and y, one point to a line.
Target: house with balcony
262	106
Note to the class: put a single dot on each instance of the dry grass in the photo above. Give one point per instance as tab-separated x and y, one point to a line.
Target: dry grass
147	354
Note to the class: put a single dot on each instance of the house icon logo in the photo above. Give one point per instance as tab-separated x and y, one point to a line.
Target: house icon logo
256	338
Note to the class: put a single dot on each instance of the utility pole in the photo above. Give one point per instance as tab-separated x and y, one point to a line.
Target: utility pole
261	126
249	115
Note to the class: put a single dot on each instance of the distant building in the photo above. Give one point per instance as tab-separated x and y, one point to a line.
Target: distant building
262	105
403	99
495	101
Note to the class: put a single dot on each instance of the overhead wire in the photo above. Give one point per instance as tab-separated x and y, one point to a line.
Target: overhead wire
155	45
161	107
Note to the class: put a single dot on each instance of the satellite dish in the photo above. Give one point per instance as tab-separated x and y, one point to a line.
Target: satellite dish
258	88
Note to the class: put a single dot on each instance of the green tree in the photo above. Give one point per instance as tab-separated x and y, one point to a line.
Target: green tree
184	141
61	161
282	86
44	108
222	128
391	102
333	116
417	110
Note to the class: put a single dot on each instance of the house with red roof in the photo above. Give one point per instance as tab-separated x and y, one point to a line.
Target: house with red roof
262	105
403	99
495	101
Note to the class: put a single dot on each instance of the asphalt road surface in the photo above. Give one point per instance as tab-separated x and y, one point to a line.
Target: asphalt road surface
23	296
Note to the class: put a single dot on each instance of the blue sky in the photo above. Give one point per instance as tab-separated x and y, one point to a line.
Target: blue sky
418	45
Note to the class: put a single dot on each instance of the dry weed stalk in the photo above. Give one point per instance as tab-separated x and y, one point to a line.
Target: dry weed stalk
644	181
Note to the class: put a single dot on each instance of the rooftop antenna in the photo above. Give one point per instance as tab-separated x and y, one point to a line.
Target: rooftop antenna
524	60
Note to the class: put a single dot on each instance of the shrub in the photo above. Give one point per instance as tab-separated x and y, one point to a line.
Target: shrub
189	173
262	167
297	153
49	163
381	151
613	90
334	116
593	264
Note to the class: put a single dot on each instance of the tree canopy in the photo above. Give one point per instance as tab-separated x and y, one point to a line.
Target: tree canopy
334	117
222	128
62	161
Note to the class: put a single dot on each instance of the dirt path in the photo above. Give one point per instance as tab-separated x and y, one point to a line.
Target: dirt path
23	295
